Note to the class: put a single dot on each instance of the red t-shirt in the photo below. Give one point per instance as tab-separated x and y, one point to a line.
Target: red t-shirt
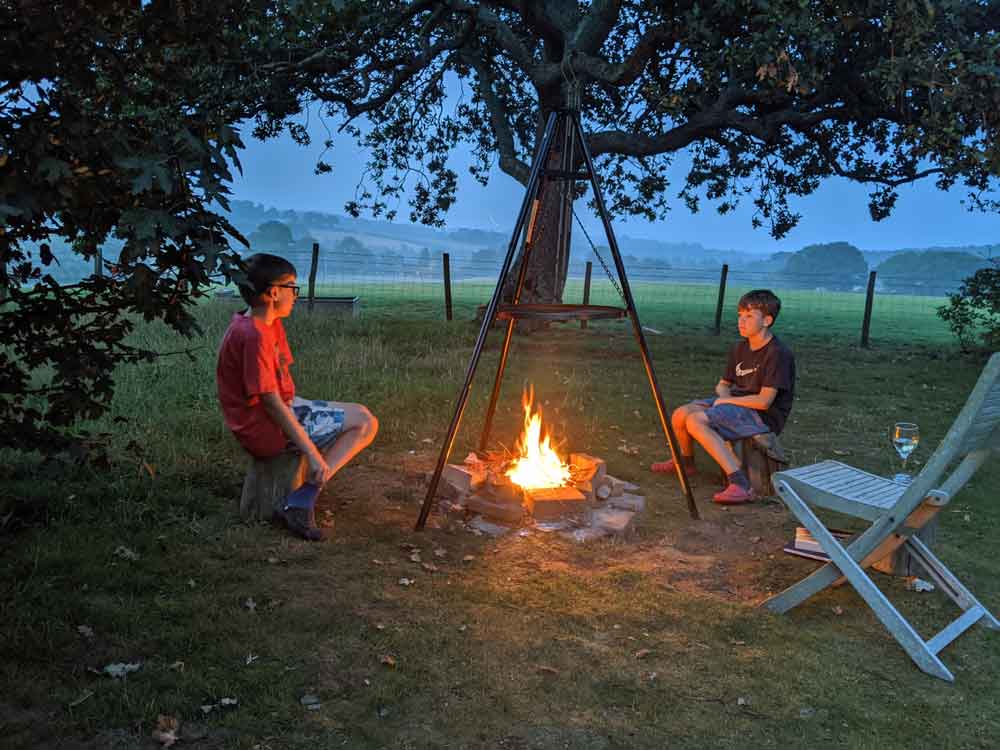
254	359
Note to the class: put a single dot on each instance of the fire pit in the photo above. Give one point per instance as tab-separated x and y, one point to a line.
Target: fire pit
536	485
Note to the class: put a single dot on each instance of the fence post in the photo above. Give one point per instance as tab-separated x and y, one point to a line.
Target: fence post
722	298
446	268
586	289
312	275
869	298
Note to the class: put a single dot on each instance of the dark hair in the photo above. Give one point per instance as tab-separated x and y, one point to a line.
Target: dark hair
263	270
761	299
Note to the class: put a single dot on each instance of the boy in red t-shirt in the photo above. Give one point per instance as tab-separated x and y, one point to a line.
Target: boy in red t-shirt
257	393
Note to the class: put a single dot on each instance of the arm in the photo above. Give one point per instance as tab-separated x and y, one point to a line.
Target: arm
284	417
722	389
760	401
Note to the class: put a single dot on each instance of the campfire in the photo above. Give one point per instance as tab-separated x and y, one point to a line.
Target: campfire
536	483
538	466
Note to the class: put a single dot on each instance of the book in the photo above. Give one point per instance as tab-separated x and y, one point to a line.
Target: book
805	545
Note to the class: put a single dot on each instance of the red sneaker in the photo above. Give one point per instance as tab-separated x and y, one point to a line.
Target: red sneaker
667	467
733	495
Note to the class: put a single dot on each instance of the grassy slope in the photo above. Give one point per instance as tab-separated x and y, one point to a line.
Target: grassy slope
534	642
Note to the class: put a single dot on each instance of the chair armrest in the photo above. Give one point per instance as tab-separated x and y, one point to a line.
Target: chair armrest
938	497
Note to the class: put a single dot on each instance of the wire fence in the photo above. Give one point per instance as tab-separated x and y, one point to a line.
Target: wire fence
817	306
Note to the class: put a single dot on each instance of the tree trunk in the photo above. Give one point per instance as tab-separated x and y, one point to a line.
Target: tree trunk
548	231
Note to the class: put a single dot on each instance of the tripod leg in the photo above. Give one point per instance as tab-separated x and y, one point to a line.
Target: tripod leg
488	318
668	430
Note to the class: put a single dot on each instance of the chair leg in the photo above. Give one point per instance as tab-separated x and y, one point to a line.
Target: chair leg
894	622
948	583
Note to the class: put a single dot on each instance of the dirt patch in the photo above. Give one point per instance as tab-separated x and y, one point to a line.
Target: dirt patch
732	553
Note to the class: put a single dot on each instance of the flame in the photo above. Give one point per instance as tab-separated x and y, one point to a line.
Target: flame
538	466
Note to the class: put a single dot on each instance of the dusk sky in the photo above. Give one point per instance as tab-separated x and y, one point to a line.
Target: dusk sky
280	173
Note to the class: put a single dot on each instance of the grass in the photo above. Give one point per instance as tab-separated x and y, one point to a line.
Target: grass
535	642
678	308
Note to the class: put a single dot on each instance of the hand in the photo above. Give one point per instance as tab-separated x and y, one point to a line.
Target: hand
318	470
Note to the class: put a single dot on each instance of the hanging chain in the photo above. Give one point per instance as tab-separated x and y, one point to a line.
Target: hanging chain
601	259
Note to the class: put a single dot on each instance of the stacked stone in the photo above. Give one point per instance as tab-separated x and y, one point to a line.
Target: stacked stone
594	503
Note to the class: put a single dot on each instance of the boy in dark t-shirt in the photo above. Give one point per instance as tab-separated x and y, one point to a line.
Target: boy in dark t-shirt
754	396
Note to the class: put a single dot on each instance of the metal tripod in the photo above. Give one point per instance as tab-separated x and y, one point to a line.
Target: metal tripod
567	124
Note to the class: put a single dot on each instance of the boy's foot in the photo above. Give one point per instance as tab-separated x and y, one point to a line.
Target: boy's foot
301	522
667	467
733	495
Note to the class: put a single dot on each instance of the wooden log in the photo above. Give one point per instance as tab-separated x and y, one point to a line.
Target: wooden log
269	481
901	563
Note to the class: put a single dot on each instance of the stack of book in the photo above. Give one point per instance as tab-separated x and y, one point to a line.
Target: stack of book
805	545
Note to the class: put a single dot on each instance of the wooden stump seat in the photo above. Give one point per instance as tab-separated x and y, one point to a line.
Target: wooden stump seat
269	481
761	455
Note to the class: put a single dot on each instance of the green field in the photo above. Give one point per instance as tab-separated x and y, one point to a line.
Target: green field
681	308
523	641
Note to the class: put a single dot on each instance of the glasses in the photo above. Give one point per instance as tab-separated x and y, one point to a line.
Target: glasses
294	287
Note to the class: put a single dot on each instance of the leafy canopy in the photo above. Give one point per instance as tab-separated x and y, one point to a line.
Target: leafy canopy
769	97
116	121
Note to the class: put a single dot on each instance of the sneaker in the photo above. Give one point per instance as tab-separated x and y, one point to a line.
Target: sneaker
733	495
667	467
301	522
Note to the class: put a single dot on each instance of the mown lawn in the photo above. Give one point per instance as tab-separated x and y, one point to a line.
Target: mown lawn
522	641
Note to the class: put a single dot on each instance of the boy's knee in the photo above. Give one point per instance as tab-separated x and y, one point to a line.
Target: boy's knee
695	421
367	422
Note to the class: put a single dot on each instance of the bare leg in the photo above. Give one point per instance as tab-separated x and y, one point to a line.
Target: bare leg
679	421
697	427
360	428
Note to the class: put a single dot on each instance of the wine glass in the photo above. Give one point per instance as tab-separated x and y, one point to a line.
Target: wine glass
905	437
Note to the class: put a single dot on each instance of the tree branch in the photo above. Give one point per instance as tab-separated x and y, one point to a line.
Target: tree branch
594	29
502	130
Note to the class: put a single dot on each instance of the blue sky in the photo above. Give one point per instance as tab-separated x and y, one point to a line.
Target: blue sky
280	173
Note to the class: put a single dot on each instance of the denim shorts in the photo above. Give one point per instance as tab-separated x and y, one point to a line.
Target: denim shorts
733	422
322	421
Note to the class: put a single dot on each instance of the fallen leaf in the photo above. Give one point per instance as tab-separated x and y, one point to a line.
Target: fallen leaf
85	630
545	669
208	708
380	626
440	552
84	696
468	558
311	702
838	610
177	666
120	669
250	659
462	628
125	553
415	557
388	660
427	440
642	653
741	701
738	643
250	604
405	582
376	561
429	567
273	560
166	730
228	702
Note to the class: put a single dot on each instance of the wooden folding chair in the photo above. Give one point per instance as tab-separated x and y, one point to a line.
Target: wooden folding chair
897	512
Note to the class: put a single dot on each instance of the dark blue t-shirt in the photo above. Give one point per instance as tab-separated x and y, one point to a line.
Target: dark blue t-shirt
771	366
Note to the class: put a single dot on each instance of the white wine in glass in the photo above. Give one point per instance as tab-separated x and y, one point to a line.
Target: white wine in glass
905	438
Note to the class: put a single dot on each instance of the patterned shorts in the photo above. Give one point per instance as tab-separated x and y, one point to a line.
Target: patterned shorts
733	422
322	421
